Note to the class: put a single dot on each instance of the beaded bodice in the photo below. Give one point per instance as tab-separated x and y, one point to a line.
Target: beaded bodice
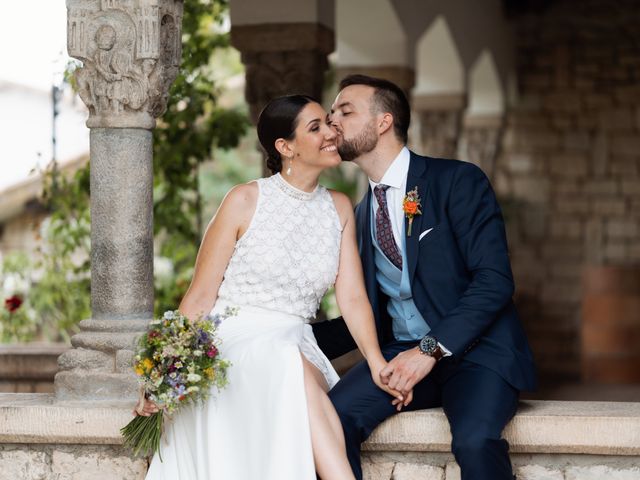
289	255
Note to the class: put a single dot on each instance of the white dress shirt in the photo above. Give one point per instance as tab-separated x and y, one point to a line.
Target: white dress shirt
396	178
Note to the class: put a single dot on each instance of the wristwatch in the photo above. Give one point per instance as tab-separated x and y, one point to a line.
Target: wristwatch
429	346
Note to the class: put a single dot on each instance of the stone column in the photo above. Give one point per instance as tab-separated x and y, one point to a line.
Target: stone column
480	141
440	119
131	55
282	59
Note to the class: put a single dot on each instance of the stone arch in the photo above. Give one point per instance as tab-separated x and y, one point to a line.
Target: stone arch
439	67
486	94
382	43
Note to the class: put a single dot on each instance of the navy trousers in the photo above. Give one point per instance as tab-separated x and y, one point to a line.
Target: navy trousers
477	402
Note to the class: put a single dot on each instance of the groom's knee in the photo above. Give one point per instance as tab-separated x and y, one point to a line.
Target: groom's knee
480	451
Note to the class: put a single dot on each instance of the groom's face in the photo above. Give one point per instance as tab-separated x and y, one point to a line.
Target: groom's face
351	115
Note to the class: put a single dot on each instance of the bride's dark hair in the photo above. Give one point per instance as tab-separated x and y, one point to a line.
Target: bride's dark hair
279	119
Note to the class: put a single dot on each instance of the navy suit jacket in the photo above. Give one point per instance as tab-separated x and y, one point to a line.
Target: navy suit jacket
460	273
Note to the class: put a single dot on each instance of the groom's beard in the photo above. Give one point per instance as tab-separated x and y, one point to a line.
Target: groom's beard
362	143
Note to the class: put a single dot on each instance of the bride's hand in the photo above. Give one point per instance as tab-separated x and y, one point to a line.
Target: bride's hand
376	367
145	407
408	398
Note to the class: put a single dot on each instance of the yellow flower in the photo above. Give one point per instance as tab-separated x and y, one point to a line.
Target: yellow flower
208	372
139	370
147	364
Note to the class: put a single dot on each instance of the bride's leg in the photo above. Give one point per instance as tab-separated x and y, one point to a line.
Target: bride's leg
327	437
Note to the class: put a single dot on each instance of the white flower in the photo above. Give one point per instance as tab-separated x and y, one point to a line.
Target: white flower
169	315
193	389
14	283
193	377
197	353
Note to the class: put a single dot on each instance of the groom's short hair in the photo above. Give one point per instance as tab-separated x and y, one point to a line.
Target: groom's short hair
387	97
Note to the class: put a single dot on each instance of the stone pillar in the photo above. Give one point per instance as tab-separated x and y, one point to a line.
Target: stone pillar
480	141
440	118
282	59
131	55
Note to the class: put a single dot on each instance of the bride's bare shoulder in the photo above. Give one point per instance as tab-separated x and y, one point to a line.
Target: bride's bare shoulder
242	195
343	205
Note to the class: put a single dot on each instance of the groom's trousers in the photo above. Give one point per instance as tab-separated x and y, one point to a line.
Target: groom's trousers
477	402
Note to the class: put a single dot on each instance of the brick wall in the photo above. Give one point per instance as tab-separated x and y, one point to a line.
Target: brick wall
568	171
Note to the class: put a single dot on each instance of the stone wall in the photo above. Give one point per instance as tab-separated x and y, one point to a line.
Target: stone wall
568	172
434	466
47	440
68	462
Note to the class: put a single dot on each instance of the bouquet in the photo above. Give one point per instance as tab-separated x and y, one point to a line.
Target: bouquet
177	362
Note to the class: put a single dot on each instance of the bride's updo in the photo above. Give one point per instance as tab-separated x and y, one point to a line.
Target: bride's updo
279	119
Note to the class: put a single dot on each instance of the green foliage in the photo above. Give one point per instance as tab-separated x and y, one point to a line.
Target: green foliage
193	128
55	283
18	321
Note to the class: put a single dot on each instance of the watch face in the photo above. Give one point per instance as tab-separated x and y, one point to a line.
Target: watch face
428	344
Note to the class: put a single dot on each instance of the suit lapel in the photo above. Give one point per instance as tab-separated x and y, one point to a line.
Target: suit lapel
416	177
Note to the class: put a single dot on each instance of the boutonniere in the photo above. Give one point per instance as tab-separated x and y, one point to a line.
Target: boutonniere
411	207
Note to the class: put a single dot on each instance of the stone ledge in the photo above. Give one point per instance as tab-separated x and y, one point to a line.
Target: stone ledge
605	428
37	418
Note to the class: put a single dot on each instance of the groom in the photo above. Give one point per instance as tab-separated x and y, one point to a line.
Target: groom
439	281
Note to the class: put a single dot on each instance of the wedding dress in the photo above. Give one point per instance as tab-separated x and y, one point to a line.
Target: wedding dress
257	428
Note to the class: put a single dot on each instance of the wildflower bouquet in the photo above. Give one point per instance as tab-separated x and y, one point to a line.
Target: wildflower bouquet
177	363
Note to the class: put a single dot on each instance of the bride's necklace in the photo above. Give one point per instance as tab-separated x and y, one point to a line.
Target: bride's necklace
292	191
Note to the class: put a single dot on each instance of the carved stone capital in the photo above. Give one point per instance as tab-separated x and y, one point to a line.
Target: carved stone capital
440	117
130	50
282	59
480	141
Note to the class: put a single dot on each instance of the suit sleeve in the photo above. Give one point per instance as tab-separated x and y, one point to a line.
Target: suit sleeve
478	227
333	337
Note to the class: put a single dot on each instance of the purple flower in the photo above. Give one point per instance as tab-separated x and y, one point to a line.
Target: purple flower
216	318
203	337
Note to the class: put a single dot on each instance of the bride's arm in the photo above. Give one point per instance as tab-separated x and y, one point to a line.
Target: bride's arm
227	226
352	297
229	223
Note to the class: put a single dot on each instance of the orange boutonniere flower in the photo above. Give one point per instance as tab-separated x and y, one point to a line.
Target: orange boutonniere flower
411	207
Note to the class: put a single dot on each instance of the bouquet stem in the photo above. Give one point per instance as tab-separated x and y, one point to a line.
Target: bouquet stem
142	434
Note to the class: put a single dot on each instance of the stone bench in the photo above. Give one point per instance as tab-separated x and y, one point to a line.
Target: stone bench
550	440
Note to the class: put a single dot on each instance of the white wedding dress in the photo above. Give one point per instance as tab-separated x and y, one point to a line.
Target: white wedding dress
257	428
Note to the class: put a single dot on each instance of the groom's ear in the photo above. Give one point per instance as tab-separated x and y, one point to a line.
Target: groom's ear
385	123
284	148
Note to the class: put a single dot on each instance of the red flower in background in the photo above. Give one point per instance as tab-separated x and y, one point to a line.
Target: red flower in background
13	303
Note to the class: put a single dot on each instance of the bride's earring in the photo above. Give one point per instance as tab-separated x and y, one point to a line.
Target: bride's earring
290	163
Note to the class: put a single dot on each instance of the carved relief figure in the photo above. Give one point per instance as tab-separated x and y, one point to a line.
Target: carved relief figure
100	86
131	53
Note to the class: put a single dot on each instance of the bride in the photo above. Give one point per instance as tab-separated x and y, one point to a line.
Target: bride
272	250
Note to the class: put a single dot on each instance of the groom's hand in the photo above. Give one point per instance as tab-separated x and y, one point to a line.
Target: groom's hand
406	369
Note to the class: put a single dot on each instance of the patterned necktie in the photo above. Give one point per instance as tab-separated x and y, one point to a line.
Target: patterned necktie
384	232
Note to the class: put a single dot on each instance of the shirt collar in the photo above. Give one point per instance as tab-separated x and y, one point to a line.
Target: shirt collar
397	172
